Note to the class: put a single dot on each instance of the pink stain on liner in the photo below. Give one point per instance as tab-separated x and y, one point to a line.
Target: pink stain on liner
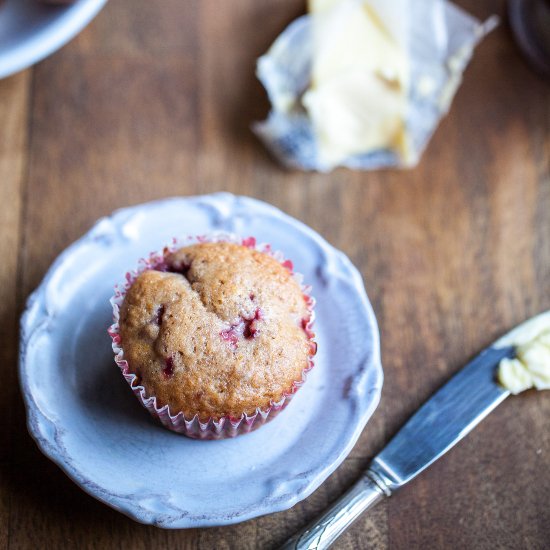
249	242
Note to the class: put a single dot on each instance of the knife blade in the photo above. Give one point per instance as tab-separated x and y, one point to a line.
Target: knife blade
448	416
451	413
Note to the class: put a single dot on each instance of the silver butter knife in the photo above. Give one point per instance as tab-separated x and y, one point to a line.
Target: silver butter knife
450	414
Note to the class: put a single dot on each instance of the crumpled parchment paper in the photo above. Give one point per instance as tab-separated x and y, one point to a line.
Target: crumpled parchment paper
441	39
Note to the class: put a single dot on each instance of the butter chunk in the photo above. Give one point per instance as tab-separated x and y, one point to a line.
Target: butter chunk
345	122
513	375
531	367
358	97
536	357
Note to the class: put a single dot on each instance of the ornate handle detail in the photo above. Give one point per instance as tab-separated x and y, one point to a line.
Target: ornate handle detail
323	531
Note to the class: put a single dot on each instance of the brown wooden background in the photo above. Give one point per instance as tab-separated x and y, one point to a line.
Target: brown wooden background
155	99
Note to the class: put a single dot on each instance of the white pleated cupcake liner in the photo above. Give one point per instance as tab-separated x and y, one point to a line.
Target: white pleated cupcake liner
194	427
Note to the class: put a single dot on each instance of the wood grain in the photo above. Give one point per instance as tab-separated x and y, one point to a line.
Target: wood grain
14	95
156	99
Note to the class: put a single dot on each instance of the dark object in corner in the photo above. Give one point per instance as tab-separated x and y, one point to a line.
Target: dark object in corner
530	22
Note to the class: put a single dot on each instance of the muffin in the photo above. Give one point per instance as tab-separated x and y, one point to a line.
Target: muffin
214	337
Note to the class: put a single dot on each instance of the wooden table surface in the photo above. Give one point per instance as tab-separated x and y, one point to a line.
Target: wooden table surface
155	99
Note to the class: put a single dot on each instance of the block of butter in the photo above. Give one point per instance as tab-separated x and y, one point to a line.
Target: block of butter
363	83
358	93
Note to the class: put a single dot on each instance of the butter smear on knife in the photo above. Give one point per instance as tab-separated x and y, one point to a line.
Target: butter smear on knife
531	366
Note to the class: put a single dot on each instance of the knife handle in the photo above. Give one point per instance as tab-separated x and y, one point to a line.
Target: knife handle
325	529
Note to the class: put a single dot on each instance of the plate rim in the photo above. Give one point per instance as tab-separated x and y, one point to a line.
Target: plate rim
56	34
132	509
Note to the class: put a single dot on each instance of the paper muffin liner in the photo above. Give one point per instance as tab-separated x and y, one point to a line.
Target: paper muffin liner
225	426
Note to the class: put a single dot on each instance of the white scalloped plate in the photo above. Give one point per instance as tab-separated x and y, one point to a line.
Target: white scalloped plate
84	417
31	30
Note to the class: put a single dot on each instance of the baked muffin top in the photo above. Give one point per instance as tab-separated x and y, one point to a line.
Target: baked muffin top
217	329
